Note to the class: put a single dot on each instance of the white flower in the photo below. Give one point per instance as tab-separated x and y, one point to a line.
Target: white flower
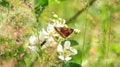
66	51
50	29
32	48
33	39
59	49
49	32
44	32
49	43
55	15
77	30
74	51
67	44
48	37
59	23
68	58
43	35
63	58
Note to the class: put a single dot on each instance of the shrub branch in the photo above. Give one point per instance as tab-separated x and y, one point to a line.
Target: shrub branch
80	11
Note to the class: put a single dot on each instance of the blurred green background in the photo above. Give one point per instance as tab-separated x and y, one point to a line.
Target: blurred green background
99	39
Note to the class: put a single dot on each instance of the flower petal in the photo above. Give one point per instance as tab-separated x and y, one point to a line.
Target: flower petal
59	48
44	46
55	15
50	28
67	44
43	30
60	25
32	48
77	30
43	35
33	39
61	57
74	51
68	58
51	41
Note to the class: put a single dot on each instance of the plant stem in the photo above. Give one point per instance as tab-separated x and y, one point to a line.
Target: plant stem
109	37
80	11
83	46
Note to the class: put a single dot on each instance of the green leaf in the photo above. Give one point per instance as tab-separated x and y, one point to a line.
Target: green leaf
20	50
27	61
71	64
54	1
30	58
41	2
5	3
61	0
40	6
115	48
73	42
7	55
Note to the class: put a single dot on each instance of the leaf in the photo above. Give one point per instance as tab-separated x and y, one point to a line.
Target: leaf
61	0
115	48
40	6
54	1
20	50
7	55
5	3
27	61
73	42
71	64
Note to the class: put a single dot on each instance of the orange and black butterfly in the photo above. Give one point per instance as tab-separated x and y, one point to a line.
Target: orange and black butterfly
64	32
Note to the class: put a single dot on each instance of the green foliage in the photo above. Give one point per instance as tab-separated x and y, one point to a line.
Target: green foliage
115	48
71	64
2	40
5	3
100	35
40	6
27	60
73	42
20	50
7	55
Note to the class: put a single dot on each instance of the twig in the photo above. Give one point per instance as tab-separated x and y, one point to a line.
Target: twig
80	11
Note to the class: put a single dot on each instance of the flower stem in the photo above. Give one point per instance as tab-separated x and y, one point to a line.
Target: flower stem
84	40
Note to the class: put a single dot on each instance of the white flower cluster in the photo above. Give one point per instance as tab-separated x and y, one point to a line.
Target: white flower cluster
58	22
45	35
77	30
66	51
49	35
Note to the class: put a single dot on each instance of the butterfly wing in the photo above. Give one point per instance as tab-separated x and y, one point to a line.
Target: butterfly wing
64	32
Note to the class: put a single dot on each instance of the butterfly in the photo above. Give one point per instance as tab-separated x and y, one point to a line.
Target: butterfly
64	32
